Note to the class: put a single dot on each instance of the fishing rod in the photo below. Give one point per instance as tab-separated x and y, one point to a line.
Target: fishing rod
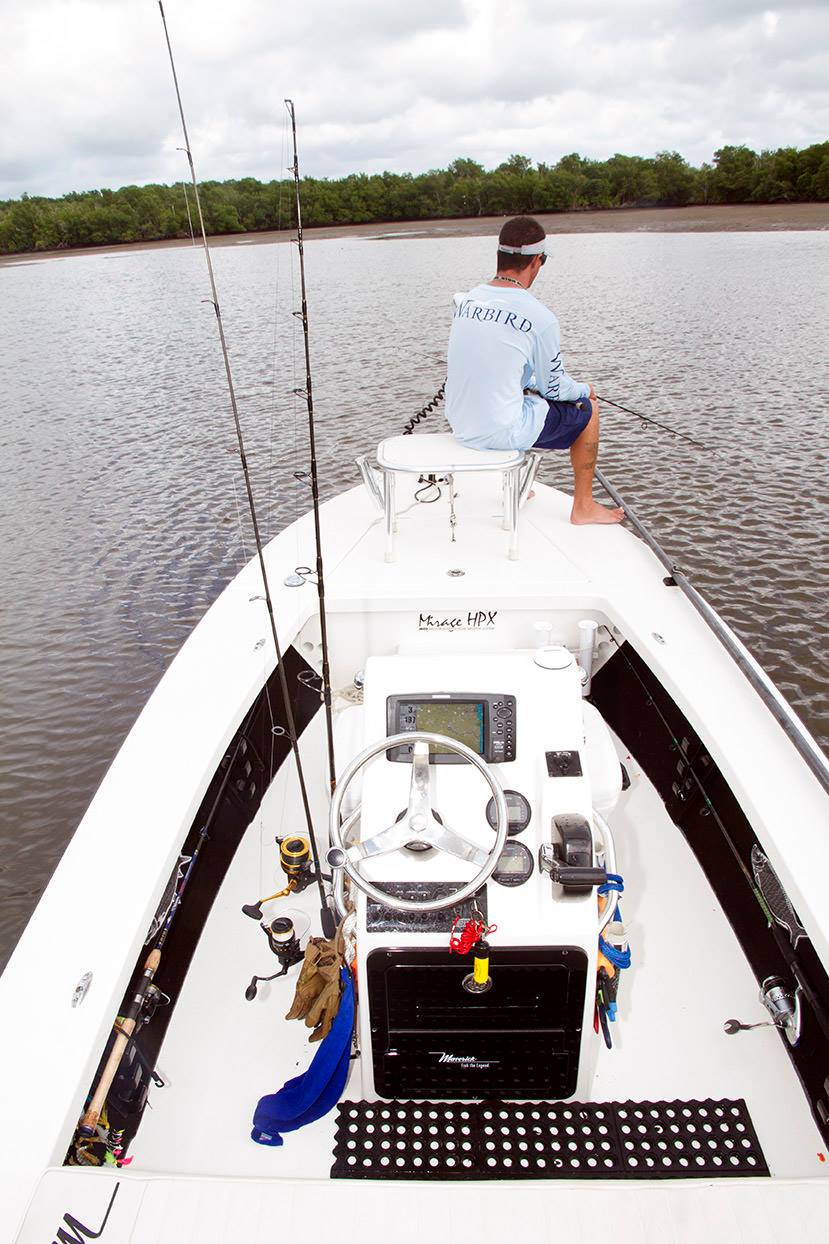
308	394
125	1028
283	681
654	422
417	418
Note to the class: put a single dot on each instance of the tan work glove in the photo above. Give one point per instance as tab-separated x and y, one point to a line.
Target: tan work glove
323	1012
309	982
317	997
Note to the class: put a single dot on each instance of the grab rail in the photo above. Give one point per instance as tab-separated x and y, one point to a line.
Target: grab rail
369	475
779	708
609	867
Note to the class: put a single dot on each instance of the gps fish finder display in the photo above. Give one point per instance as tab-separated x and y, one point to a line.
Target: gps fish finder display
463	722
485	723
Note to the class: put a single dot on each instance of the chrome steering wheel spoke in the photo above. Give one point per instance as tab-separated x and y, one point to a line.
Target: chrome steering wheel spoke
455	844
381	843
419	812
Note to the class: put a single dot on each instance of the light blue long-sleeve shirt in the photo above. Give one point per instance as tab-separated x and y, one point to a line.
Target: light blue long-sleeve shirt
503	341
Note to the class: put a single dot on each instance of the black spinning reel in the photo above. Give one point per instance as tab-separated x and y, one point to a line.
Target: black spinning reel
284	943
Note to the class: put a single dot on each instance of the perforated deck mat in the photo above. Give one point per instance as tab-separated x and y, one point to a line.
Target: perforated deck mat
545	1140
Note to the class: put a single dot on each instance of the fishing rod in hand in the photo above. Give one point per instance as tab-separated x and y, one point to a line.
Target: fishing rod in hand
425	410
653	422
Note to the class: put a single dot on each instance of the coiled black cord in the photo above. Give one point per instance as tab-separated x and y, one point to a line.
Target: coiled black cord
430	484
417	418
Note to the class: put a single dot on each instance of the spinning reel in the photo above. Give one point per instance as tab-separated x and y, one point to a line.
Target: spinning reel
295	858
284	942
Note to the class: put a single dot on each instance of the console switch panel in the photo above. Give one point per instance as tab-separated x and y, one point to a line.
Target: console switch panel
563	764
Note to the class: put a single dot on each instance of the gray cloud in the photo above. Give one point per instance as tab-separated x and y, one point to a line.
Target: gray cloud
87	99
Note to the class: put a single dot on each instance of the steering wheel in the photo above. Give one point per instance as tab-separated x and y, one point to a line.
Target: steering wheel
419	824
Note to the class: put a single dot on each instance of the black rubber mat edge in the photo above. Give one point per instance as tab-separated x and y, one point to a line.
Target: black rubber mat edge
545	1140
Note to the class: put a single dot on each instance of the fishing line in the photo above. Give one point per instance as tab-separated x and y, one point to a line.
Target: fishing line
189	217
275	340
283	681
653	422
308	394
420	415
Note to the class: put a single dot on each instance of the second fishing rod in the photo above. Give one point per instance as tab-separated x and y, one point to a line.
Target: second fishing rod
290	722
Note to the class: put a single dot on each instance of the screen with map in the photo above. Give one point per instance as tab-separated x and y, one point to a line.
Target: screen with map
464	722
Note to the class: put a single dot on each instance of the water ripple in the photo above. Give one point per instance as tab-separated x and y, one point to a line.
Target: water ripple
120	483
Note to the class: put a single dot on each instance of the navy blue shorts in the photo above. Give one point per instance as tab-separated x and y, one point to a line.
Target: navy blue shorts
564	423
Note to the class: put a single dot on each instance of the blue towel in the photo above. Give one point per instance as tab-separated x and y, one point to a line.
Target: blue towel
309	1096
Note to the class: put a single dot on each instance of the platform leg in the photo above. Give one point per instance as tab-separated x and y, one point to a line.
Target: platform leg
513	494
506	476
388	513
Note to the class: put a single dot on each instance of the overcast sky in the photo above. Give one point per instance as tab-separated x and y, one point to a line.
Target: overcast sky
86	97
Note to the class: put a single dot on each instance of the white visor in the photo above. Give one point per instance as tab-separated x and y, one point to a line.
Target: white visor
531	248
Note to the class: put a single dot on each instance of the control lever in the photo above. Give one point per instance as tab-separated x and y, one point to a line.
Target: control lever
571	876
569	857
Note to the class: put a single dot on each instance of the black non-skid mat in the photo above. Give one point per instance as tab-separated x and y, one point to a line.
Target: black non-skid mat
545	1140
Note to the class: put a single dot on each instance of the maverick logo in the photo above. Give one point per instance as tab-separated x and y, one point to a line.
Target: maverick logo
80	1232
474	620
464	1060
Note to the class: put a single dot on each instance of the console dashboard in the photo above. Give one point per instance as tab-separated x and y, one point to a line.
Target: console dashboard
514	713
539	929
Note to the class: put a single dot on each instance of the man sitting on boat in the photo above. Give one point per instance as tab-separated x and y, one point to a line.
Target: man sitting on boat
506	386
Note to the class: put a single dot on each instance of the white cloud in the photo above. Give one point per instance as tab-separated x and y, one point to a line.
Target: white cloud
87	100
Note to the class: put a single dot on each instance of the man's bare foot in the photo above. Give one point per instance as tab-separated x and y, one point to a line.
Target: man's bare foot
592	512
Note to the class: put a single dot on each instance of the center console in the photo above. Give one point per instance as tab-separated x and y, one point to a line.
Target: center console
422	1033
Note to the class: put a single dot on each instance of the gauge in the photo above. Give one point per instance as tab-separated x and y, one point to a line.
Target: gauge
515	865
518	812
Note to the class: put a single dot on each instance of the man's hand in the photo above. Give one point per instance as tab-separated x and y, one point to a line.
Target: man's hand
593	397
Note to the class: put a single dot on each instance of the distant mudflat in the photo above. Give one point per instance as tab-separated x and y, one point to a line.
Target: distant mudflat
740	218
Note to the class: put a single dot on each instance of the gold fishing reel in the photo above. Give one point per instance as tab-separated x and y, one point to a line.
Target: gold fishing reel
295	860
294	855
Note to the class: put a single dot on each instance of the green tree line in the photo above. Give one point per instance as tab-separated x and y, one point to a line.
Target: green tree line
465	188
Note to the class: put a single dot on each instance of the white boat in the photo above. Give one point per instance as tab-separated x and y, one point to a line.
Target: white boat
483	1098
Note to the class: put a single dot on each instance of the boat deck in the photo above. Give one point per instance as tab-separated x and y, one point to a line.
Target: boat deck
222	1053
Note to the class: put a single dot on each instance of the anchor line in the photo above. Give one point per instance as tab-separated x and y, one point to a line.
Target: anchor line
308	394
283	681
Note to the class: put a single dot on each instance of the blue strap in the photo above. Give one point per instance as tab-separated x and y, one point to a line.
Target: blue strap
619	958
310	1096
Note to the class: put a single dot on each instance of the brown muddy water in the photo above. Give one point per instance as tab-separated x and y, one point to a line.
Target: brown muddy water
121	494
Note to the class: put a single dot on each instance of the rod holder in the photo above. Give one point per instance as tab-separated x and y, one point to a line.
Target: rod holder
587	651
